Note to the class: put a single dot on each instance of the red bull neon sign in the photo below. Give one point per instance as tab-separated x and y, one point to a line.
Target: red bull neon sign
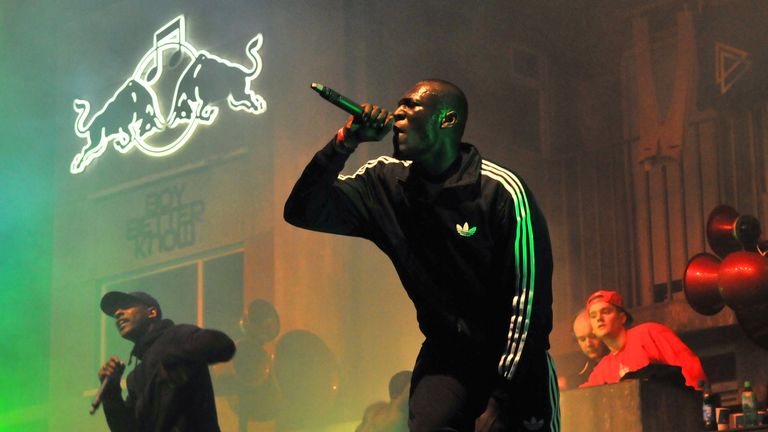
133	118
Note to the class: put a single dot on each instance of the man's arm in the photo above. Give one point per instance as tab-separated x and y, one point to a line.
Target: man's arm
527	270
319	200
675	352
195	345
119	413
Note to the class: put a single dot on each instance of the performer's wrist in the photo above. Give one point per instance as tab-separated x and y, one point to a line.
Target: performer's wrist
112	391
343	143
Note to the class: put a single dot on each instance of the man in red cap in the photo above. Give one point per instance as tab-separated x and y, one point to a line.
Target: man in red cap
635	348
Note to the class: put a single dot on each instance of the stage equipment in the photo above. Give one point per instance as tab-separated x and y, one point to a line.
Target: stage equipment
308	376
701	284
754	321
740	280
743	280
727	231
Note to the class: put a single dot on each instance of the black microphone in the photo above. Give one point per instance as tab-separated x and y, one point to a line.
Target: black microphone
96	402
340	101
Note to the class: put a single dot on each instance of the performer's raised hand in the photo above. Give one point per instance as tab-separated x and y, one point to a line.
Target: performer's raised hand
372	125
112	369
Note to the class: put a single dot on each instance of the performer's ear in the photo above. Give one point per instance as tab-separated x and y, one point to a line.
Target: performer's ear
449	119
152	312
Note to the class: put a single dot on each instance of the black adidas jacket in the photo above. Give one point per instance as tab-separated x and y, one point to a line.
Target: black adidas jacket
475	260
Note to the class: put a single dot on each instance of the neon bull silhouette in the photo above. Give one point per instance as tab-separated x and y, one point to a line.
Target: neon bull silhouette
209	79
130	114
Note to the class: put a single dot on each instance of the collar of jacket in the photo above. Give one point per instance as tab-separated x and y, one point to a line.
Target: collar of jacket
146	341
463	180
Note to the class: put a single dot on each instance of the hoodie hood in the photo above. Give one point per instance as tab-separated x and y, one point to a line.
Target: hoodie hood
146	341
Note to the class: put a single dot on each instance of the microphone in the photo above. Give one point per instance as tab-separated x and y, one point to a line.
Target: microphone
96	402
340	101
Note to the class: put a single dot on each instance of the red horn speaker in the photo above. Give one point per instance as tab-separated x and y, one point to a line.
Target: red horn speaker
700	284
721	232
747	232
728	232
743	280
754	321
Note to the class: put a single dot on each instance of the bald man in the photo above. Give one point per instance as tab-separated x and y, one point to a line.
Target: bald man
590	345
471	249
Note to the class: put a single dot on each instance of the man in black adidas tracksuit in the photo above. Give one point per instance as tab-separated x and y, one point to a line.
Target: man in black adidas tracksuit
471	248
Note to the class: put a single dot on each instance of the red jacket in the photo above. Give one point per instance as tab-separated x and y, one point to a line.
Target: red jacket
648	343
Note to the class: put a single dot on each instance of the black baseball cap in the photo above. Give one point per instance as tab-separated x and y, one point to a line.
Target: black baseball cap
114	300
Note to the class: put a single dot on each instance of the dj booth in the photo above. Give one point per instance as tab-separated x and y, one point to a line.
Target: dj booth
632	406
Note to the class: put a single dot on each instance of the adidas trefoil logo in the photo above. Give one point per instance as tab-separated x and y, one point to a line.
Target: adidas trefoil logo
533	424
465	231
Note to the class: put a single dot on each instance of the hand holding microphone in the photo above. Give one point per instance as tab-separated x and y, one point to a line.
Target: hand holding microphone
366	123
109	374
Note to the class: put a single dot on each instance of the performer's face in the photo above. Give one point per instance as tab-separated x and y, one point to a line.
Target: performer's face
606	319
589	343
133	321
417	123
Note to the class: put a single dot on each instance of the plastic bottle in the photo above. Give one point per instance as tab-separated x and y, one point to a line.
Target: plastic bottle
709	408
749	405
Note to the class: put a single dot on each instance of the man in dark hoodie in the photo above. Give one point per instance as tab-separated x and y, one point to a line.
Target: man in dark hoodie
170	387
